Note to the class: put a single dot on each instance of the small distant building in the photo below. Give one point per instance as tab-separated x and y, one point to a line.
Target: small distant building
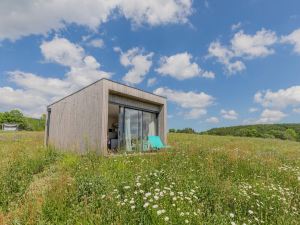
10	127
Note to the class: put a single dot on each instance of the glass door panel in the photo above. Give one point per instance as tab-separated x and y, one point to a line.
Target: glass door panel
149	128
138	125
132	129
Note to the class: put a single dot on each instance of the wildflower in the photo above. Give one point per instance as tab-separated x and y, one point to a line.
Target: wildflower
147	194
103	196
133	207
233	223
231	215
250	211
155	206
167	219
159	212
138	184
126	187
181	214
156	197
186	221
146	205
157	183
131	201
171	193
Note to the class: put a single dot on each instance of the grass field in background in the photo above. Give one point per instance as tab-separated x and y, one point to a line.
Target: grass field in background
200	180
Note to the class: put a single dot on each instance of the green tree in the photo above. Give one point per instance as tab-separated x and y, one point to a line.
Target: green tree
290	134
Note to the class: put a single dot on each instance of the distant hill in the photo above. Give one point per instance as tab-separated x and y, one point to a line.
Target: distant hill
280	131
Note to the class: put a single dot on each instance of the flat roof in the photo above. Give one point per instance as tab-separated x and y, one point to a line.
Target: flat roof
99	81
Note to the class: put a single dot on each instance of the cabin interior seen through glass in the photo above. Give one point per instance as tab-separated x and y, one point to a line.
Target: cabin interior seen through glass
129	128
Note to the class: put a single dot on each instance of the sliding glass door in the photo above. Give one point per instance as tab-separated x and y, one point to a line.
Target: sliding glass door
138	125
132	130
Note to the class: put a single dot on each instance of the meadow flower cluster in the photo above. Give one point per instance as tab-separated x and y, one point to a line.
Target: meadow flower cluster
263	199
162	200
290	169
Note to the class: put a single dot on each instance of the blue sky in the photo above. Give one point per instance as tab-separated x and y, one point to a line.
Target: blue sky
219	63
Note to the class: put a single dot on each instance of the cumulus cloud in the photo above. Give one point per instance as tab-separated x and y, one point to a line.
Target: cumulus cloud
96	43
195	102
151	81
35	92
296	110
31	103
236	26
84	69
195	113
213	120
252	110
271	116
229	114
35	17
293	39
224	56
139	63
279	99
39	85
243	47
181	67
252	46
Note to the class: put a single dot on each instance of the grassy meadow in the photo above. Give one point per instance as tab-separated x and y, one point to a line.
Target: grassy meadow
202	179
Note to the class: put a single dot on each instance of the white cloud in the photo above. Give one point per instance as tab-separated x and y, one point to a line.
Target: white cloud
224	56
271	116
139	63
213	120
195	114
180	66
62	51
236	26
96	43
293	39
229	114
296	110
243	47
151	81
195	102
252	110
39	85
252	46
279	99
84	69
31	103
156	12
36	92
19	19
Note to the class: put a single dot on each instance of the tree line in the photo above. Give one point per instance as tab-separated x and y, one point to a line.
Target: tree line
24	123
279	131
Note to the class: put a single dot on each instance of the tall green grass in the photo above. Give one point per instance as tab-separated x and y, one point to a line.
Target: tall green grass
200	180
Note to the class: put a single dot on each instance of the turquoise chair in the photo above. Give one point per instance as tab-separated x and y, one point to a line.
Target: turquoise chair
156	143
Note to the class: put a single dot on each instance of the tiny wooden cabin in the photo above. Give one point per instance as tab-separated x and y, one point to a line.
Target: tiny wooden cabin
106	116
